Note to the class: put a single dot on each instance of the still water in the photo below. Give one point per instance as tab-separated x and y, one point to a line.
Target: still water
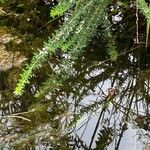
97	104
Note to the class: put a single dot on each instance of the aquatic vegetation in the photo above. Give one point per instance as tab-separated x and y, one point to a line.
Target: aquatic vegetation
87	87
144	7
73	36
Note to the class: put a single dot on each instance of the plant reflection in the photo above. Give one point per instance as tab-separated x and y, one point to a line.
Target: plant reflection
113	97
91	107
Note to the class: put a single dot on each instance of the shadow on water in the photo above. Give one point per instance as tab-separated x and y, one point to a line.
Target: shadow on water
101	104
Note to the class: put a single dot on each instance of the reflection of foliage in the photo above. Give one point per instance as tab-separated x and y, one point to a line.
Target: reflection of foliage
78	88
143	122
77	143
104	138
41	135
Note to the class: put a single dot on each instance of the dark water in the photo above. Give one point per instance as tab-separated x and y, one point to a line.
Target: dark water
101	104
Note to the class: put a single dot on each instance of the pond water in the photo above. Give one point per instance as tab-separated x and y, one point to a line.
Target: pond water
100	104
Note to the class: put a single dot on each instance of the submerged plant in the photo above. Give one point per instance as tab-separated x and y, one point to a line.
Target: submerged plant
145	9
72	37
85	82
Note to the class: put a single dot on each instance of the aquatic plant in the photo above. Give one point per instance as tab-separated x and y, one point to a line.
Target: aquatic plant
75	91
145	9
72	37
